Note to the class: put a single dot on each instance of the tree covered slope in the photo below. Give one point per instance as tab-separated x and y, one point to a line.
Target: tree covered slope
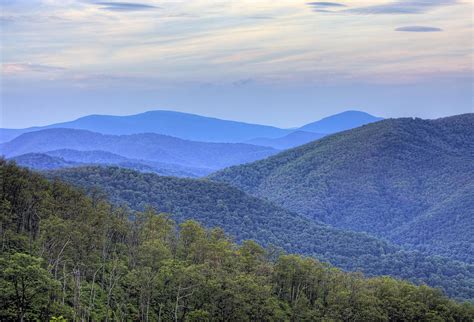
245	217
41	161
408	180
150	147
68	256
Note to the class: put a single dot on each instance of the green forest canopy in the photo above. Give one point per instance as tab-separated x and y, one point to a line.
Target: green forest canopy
242	216
70	255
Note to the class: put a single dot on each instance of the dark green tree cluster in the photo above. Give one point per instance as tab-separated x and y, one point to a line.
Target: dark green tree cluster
65	255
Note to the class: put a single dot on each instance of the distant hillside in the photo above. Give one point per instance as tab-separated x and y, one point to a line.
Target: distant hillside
150	147
245	217
40	161
176	124
195	127
340	122
408	180
107	158
47	161
288	141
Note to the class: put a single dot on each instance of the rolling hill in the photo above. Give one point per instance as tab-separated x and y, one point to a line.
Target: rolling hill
41	161
60	159
288	141
149	147
244	217
340	122
181	125
407	180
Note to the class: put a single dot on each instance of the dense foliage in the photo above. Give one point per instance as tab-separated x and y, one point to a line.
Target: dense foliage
408	180
66	255
244	217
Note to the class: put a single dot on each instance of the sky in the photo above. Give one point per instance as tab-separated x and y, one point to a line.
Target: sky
282	63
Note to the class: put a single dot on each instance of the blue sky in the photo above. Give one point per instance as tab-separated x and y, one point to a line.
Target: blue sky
283	62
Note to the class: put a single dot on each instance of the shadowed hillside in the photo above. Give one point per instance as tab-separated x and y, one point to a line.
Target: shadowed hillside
408	180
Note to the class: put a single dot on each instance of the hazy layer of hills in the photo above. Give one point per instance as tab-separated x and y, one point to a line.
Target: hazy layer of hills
220	205
408	180
150	147
66	158
135	142
288	141
340	122
195	127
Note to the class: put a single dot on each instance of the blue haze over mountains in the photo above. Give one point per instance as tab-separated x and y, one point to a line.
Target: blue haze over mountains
385	197
196	127
163	142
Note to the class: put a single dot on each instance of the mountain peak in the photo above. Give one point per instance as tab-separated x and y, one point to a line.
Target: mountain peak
340	122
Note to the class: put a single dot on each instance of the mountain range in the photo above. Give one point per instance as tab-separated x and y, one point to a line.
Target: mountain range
148	146
195	127
410	181
134	142
392	197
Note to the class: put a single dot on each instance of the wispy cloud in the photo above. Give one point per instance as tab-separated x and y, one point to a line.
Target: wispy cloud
19	68
418	29
325	4
403	7
124	6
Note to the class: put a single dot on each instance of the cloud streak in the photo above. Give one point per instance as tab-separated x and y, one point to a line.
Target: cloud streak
325	4
19	68
403	7
419	29
124	6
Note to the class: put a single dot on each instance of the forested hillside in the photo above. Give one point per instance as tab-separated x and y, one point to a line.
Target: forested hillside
245	217
68	255
408	180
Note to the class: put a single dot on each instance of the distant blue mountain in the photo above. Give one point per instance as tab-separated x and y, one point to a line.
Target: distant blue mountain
67	158
148	147
288	141
197	128
340	122
180	125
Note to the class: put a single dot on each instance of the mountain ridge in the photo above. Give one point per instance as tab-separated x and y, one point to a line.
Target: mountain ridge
186	126
387	174
147	146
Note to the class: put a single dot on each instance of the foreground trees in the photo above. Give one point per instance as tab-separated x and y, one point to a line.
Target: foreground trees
64	254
